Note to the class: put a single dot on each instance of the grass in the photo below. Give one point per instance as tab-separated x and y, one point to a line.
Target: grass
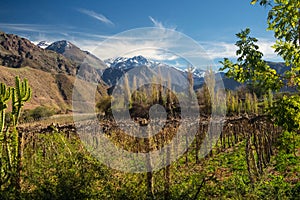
56	119
60	167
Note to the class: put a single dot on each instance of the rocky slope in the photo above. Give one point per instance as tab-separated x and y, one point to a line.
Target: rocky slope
89	66
17	52
50	74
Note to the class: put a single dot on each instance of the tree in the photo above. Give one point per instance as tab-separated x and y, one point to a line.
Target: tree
255	104
169	101
127	93
104	105
250	67
210	82
248	101
284	21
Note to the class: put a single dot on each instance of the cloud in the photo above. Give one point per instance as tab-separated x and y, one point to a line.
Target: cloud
38	32
265	46
156	23
151	45
97	16
27	27
159	24
156	43
220	50
168	47
127	47
163	45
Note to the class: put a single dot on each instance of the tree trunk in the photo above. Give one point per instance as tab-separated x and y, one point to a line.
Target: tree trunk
19	166
149	169
167	174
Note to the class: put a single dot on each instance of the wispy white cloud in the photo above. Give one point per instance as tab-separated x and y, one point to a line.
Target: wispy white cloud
220	50
166	48
160	25
27	27
265	46
157	43
127	47
97	16
163	45
156	23
38	32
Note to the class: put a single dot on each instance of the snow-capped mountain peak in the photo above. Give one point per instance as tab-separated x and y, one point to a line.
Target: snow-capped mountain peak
198	72
60	46
43	44
125	63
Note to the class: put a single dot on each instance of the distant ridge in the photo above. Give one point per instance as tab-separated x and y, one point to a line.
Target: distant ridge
43	44
89	66
17	52
50	74
55	68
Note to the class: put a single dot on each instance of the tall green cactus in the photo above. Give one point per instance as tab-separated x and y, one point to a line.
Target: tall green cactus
4	97
5	94
20	94
10	139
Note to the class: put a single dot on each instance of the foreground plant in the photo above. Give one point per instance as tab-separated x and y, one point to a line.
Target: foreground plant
10	139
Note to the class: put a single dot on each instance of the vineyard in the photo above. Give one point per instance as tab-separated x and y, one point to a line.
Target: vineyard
56	164
160	132
243	155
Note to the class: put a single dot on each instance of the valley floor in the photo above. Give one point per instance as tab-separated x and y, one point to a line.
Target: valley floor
56	165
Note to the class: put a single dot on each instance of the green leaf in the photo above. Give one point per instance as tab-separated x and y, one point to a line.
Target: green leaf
253	2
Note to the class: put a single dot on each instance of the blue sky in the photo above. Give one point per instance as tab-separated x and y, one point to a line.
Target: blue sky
212	24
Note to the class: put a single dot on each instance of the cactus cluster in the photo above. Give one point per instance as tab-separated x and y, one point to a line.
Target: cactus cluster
20	94
5	94
9	136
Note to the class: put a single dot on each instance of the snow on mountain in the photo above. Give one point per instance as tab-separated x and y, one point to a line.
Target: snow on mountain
127	63
60	46
199	73
117	67
43	44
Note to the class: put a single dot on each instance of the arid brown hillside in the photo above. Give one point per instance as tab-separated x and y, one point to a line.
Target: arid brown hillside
19	52
50	90
51	75
44	86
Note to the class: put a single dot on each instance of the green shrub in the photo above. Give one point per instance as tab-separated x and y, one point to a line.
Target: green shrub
37	113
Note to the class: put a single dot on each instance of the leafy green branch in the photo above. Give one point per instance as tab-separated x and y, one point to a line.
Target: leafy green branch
250	67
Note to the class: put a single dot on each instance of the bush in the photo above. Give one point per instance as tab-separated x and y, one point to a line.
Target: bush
37	113
104	105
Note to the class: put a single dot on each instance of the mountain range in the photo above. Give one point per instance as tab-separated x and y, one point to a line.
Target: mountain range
116	68
51	74
52	68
